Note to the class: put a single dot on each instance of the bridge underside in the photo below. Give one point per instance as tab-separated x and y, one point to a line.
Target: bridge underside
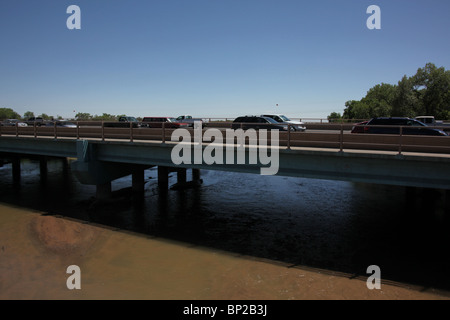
99	162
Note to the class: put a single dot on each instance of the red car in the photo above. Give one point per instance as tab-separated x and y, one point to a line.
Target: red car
359	127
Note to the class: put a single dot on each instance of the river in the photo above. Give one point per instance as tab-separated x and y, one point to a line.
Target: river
337	226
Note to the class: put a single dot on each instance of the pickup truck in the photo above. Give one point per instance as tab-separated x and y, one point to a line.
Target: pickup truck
188	119
432	122
123	122
35	120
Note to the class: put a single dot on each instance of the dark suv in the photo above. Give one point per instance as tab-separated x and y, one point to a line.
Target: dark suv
392	126
254	122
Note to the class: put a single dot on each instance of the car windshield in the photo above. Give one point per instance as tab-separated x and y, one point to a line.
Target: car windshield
285	118
171	120
270	120
418	123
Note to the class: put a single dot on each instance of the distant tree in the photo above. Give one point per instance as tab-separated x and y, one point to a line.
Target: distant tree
334	117
379	99
8	113
83	116
432	87
425	93
405	101
28	114
104	117
45	116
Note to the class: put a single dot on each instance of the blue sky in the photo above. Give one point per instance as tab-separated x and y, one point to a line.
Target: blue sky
211	58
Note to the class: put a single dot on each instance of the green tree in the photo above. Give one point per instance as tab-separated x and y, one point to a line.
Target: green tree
432	87
334	117
8	113
28	114
405	102
80	116
45	116
104	117
379	99
425	93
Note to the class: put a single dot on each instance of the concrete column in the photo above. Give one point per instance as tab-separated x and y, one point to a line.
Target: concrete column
181	175
163	177
65	164
195	174
16	170
43	170
137	178
104	191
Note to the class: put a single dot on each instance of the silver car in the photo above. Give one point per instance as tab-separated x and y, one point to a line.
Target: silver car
296	125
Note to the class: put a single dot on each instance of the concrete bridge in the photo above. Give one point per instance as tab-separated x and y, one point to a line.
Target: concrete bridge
101	155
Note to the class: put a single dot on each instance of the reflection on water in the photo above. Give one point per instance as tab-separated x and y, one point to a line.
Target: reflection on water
335	225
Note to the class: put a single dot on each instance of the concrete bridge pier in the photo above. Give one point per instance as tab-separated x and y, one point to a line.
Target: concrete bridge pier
43	168
163	177
138	181
16	170
195	174
103	191
181	175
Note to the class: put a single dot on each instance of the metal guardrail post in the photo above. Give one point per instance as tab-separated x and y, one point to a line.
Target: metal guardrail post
34	129
289	137
131	131
17	129
400	141
163	132
78	130
341	139
103	130
54	129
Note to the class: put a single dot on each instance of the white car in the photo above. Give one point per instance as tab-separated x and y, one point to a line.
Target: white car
13	123
296	125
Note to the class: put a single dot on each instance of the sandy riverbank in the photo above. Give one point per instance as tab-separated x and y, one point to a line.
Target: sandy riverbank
35	251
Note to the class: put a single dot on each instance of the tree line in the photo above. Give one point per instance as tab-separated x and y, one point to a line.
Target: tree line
8	113
425	93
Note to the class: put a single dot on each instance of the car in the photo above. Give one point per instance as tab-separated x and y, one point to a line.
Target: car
280	118
169	122
61	123
385	125
123	122
188	119
38	121
359	127
13	123
257	122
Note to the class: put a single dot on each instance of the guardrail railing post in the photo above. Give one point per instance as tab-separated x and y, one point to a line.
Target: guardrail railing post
289	137
341	139
131	131
17	129
400	141
34	129
163	132
78	130
54	130
103	130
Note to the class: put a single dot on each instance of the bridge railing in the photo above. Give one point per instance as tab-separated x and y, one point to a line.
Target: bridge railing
339	138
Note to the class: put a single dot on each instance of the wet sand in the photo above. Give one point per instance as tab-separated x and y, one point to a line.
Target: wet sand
36	249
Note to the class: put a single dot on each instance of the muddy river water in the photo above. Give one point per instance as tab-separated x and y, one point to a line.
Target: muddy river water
237	236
